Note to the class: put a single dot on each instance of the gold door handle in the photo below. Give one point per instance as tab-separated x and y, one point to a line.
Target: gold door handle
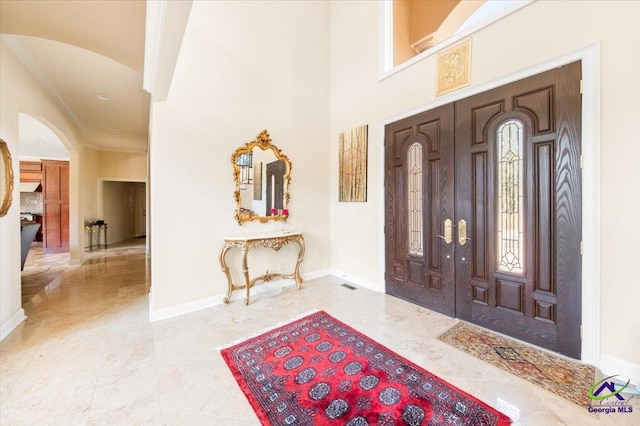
448	232
462	232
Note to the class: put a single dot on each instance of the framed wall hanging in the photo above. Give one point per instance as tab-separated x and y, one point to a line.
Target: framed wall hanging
352	166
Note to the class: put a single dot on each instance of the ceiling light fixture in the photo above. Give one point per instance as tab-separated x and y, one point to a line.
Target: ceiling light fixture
41	142
103	97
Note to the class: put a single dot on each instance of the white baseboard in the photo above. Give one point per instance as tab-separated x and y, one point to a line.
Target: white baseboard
316	274
611	366
181	309
9	325
208	302
362	282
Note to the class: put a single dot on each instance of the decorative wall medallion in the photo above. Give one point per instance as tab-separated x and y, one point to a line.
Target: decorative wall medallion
454	67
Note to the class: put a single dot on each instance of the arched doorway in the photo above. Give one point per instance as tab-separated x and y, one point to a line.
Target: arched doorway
44	183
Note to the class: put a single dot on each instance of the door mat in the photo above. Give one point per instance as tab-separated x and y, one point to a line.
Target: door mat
566	378
319	371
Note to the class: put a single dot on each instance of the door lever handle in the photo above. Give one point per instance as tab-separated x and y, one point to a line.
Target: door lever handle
462	232
448	232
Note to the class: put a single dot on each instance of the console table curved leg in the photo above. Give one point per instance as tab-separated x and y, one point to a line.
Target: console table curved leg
245	272
225	269
296	274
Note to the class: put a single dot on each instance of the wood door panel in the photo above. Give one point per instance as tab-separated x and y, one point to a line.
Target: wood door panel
64	183
416	272
396	236
525	302
538	104
64	227
433	132
435	282
510	294
568	213
51	189
52	235
479	293
481	115
544	164
401	134
481	255
433	224
544	306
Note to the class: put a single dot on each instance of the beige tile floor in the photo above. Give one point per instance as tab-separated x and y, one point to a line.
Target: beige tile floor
88	355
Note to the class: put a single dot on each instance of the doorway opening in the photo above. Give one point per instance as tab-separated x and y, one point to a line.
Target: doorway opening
122	205
44	185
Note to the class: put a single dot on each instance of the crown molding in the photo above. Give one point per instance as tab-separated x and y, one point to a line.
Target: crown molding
16	47
128	151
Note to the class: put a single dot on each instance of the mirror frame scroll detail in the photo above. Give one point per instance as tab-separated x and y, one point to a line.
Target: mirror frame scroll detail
6	184
262	141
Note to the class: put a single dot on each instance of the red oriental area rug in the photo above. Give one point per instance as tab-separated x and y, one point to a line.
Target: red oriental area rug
319	371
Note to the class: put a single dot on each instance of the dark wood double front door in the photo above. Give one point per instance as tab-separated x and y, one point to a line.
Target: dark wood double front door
483	217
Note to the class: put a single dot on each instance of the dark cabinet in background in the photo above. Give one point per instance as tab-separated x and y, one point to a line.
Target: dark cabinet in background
55	198
39	219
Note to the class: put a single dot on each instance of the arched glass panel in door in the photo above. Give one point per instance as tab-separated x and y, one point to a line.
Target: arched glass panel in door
414	201
510	229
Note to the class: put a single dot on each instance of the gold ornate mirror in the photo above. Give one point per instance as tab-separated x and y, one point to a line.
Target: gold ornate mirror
6	178
262	174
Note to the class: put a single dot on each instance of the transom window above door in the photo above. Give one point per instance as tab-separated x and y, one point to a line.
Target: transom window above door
414	29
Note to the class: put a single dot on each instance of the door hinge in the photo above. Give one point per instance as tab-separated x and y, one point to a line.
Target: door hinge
581	163
581	86
580	331
581	248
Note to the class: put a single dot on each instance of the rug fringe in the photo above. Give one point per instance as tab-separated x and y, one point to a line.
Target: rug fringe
264	330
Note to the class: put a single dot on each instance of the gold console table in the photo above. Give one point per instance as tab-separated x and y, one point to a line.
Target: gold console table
95	229
275	241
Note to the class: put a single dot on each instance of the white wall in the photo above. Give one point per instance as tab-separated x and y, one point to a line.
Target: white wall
90	184
119	210
243	67
122	165
11	312
140	209
537	33
21	93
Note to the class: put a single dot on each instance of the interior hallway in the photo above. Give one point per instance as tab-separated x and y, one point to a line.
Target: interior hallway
87	354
